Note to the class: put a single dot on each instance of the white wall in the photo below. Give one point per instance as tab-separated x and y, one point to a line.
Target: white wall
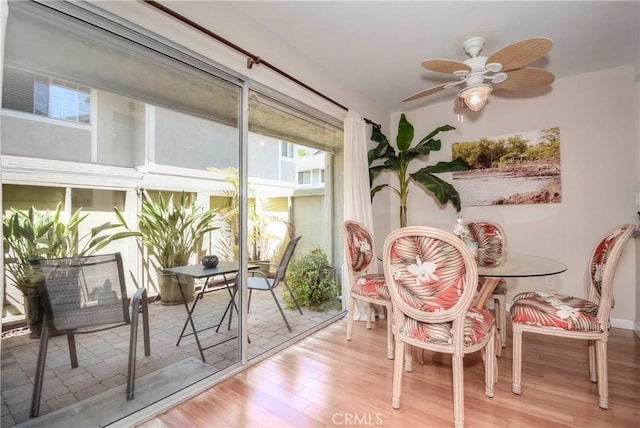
598	118
599	129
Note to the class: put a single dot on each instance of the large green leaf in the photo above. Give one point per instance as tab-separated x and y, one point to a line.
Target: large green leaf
374	172
377	189
405	134
436	131
458	164
442	190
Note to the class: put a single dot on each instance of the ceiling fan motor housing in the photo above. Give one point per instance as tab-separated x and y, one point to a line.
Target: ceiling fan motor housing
473	46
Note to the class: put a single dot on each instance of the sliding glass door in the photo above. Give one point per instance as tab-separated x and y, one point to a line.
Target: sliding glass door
101	119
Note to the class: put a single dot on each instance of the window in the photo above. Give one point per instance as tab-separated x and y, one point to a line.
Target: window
45	96
304	177
287	150
180	128
322	176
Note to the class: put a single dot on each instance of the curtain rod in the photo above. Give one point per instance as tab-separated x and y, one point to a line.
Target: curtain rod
251	58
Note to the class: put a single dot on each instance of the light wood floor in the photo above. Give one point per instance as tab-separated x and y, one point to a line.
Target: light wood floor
327	381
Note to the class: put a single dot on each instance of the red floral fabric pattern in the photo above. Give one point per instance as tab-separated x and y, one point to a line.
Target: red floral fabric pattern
491	248
601	254
477	326
371	285
430	273
360	247
555	310
430	276
361	255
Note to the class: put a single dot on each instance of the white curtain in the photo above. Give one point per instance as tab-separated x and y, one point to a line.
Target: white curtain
357	199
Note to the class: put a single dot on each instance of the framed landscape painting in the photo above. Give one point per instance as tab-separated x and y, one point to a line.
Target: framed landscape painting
521	168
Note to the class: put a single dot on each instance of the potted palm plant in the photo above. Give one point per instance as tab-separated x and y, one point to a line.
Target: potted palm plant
266	232
173	231
44	234
384	157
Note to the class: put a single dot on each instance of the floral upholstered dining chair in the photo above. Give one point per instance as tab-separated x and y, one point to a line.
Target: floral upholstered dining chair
492	251
369	288
574	317
432	277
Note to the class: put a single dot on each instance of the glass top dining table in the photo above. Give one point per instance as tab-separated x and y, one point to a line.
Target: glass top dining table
517	265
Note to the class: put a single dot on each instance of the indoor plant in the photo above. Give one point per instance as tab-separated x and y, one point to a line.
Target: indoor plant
43	234
172	231
398	163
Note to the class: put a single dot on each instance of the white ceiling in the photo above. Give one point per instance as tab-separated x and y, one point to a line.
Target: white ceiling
376	47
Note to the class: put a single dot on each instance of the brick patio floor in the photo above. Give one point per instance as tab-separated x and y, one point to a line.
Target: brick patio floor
103	356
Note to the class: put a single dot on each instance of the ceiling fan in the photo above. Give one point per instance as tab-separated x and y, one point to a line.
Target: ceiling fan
505	69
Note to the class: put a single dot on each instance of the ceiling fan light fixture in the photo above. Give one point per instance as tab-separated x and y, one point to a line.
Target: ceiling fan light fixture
475	97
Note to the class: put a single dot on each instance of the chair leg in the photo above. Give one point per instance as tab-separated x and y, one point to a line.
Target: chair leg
131	365
369	315
458	389
249	301
397	374
516	386
73	353
37	382
593	376
408	357
293	296
280	309
389	333
603	376
352	307
501	319
145	325
490	366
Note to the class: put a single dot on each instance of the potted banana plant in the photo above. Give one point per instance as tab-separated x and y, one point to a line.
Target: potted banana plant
172	230
45	234
384	157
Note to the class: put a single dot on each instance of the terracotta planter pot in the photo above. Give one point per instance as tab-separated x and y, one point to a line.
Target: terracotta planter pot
33	313
170	289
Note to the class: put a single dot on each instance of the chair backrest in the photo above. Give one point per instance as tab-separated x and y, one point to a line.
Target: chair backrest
492	242
602	268
359	248
81	292
431	274
281	270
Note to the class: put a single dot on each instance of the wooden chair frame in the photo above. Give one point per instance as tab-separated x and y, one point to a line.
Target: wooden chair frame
597	340
352	276
499	297
456	315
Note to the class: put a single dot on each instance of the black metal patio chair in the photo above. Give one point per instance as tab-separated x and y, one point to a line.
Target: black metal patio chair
257	280
82	295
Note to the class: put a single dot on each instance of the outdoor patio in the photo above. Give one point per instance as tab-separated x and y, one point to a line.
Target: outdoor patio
103	356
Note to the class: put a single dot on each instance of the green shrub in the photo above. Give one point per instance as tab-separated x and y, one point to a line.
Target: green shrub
312	280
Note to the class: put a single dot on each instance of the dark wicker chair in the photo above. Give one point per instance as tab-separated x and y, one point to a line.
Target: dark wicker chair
83	295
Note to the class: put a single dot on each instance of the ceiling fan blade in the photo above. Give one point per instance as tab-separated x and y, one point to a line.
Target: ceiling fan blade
445	65
519	54
425	92
526	78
